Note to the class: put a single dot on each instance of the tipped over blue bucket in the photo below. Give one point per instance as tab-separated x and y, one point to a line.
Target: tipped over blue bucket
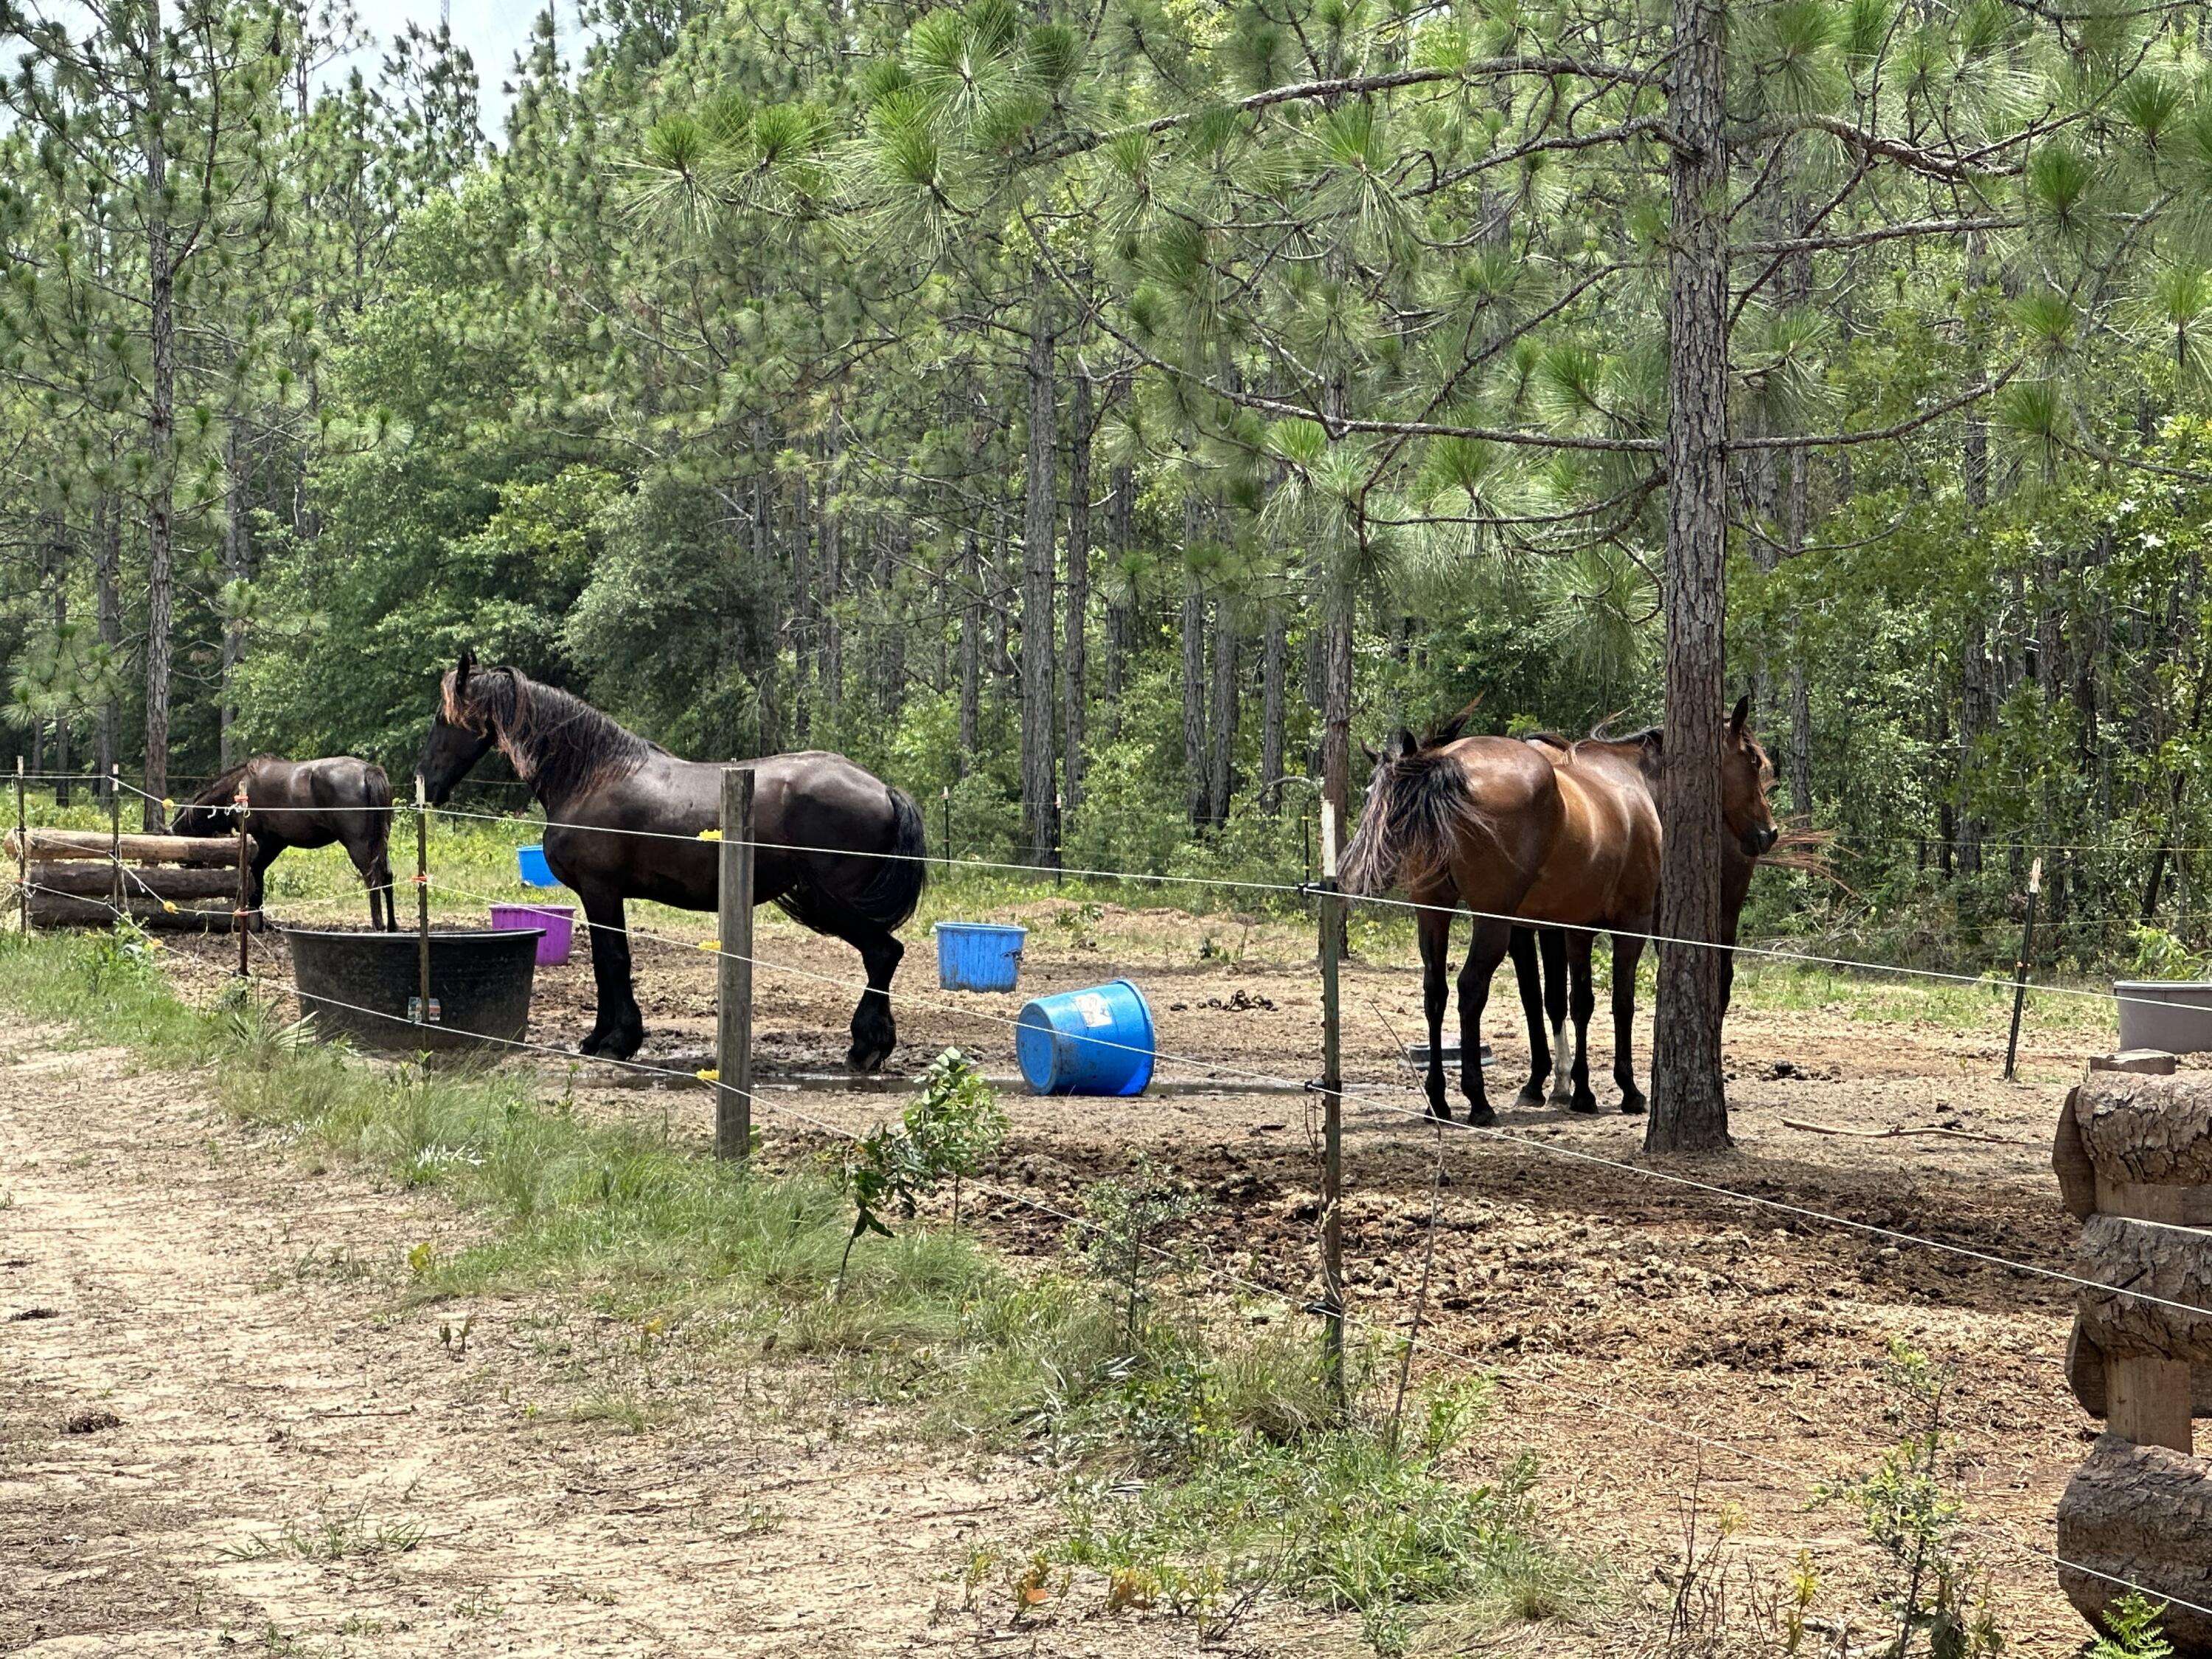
536	873
979	955
1097	1041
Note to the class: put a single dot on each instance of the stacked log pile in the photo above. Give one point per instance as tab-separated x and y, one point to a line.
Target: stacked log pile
83	878
2134	1160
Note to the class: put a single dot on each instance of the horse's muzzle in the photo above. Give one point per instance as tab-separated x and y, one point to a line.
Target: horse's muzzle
1760	841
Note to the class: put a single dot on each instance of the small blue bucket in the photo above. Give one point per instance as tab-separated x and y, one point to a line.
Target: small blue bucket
979	955
1098	1041
530	861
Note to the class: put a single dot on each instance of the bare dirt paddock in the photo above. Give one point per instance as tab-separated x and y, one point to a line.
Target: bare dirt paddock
1651	1337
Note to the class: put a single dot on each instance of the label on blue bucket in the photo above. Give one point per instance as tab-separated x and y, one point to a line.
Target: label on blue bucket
1093	1008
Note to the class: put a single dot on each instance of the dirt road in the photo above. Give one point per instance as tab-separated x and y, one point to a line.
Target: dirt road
223	1427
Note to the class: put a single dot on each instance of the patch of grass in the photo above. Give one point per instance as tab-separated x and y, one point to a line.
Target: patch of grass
620	1411
354	1535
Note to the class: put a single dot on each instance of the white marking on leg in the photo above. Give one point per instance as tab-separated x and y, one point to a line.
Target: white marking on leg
1562	1071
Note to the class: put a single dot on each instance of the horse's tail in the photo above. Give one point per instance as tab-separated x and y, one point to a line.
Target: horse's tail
376	795
892	895
1418	808
892	890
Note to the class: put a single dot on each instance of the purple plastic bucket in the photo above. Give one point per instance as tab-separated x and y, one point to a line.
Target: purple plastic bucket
559	921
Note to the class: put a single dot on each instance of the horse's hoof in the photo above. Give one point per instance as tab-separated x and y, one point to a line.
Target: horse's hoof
1439	1111
1480	1115
1585	1105
866	1061
1632	1105
1532	1096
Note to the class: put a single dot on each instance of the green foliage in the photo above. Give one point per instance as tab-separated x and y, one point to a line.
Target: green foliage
2131	1630
951	1128
1912	1516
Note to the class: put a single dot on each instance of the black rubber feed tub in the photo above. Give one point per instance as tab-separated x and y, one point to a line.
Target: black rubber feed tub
364	985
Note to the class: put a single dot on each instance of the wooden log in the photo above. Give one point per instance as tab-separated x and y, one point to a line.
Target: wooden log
2087	1375
2148	1325
165	881
2146	1130
58	910
38	843
2069	1161
2151	1062
2140	1515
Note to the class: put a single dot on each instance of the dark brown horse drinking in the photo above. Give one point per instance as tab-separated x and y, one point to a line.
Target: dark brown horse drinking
1545	832
840	850
312	803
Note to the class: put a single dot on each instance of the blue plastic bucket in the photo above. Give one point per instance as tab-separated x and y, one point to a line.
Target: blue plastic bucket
530	861
1098	1041
979	955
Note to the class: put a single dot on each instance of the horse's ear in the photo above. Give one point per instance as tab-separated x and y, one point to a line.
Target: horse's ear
1453	729
1741	719
461	669
1399	744
1368	749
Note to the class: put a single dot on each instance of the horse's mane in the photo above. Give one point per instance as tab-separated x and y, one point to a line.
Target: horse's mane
557	743
224	787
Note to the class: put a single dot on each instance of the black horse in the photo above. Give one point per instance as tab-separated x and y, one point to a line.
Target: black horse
312	803
840	850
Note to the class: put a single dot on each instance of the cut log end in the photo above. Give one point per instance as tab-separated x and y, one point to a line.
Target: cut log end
2140	1515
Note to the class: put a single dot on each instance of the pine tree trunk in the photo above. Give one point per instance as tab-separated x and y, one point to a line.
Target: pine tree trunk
1040	526
1220	779
1196	795
1272	667
831	524
1689	1105
108	603
1075	656
1120	613
235	554
161	447
971	654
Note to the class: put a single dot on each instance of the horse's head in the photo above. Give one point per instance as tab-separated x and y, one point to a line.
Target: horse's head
463	728
1746	776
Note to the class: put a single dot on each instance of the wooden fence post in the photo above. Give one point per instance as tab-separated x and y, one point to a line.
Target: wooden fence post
425	1010
244	875
1332	1107
733	979
22	856
2020	968
115	837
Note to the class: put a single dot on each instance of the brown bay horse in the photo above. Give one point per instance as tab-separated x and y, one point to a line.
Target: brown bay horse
839	850
1560	837
311	803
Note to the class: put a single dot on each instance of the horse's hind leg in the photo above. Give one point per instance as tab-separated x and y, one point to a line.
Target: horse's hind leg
1435	932
375	872
1527	972
1483	952
1581	1000
619	1030
1627	952
1553	945
875	1033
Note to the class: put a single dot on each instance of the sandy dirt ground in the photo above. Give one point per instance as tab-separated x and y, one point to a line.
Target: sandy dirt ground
224	1428
1652	1336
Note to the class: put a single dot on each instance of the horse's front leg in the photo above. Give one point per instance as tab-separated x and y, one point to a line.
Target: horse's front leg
619	1030
1581	1000
875	1033
1627	952
1483	952
1435	932
257	871
1528	972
